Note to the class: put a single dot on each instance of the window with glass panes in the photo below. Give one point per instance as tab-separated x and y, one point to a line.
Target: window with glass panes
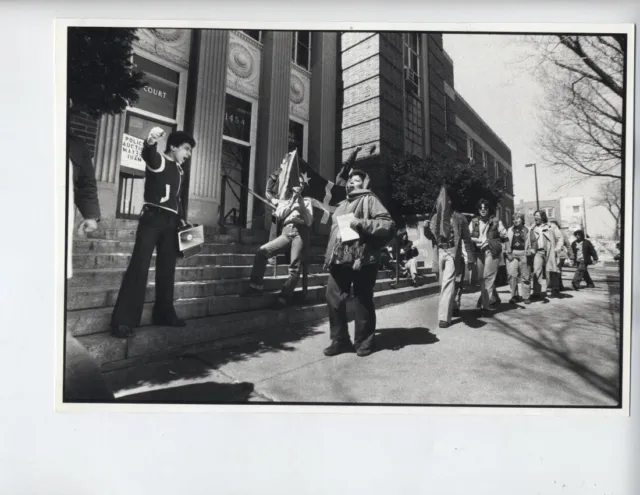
413	100
301	49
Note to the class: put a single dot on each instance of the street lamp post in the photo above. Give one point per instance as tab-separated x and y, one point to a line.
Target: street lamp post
535	173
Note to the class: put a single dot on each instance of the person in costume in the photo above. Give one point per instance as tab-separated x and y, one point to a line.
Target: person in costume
355	263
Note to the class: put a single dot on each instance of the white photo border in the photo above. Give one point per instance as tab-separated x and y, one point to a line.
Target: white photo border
60	124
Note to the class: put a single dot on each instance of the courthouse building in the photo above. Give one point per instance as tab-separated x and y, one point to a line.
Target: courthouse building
248	97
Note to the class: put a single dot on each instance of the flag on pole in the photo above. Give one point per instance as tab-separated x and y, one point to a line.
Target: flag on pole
290	175
324	194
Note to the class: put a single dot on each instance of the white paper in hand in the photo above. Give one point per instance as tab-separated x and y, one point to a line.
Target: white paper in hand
346	232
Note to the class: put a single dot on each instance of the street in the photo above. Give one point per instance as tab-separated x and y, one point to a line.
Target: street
559	352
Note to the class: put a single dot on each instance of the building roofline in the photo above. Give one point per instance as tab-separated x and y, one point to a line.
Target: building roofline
458	95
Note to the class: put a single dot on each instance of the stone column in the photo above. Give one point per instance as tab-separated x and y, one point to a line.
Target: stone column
107	162
322	111
204	187
322	115
273	113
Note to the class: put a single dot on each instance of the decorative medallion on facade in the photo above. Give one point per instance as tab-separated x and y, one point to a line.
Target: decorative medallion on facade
240	61
172	45
299	85
297	90
243	65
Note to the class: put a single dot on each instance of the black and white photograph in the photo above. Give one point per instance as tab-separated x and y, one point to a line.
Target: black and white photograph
363	217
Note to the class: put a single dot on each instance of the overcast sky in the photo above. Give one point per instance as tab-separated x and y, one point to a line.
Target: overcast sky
490	74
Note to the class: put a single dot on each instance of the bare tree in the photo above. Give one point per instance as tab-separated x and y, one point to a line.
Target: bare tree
610	196
582	112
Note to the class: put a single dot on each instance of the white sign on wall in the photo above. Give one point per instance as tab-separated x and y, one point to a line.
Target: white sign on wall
131	149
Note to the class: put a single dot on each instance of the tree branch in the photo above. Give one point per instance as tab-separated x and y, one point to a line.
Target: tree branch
605	78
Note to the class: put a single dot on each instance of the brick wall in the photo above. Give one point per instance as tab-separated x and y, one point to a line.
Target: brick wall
86	128
360	65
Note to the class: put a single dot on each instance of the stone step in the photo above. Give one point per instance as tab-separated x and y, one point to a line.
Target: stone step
130	235
198	300
241	236
112	277
87	297
110	246
221	331
121	260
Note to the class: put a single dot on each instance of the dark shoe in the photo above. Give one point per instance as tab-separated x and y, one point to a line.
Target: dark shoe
414	282
444	324
575	286
591	286
364	352
122	331
338	348
527	301
513	300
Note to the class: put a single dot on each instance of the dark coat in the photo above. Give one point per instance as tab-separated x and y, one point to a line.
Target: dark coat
588	251
85	189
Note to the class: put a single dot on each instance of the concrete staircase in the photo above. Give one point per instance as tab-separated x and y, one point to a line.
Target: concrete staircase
207	293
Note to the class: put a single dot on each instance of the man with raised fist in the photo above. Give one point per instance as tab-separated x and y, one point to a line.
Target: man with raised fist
161	216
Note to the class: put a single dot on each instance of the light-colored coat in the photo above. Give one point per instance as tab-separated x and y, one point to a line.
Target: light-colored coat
555	242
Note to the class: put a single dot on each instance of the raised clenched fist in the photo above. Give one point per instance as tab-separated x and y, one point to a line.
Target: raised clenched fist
156	134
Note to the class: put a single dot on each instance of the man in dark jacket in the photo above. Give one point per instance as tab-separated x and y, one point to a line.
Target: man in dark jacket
584	254
83	380
85	191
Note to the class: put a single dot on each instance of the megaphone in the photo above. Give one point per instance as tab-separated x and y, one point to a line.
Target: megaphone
190	241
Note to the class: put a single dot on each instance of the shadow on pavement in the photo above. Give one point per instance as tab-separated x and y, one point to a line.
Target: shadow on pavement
394	339
176	373
211	391
555	344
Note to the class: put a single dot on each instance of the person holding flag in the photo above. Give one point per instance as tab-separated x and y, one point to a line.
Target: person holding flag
448	229
295	213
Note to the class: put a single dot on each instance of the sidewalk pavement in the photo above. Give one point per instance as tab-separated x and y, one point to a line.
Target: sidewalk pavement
558	352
